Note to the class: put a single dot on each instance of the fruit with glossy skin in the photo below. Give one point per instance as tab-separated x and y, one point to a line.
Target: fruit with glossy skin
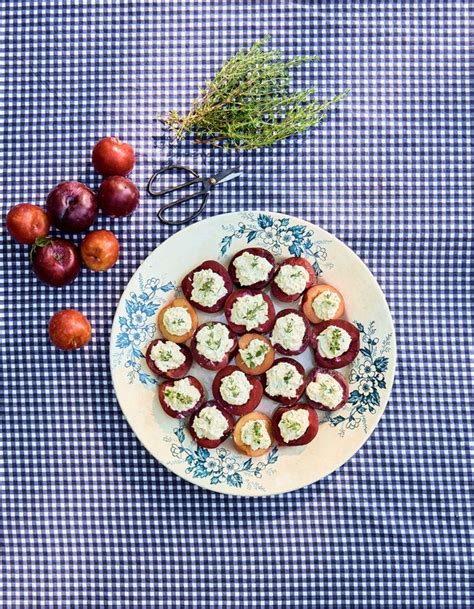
306	337
26	222
71	207
308	435
69	329
112	157
100	250
118	197
55	261
204	442
254	397
299	392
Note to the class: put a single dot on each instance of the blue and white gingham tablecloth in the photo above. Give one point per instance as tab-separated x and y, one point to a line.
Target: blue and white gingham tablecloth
89	518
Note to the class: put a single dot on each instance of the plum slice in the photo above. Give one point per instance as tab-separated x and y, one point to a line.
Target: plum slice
296	262
174	373
326	292
344	358
254	398
264	350
208	287
214	339
253	417
207	442
169	386
182	305
258	252
252	314
287	378
307	436
284	332
319	374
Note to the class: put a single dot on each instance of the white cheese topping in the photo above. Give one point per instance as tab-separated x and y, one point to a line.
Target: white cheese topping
251	269
210	423
289	331
326	304
213	341
255	435
333	342
249	311
208	287
292	279
325	390
235	388
293	424
283	379
177	321
167	356
182	395
254	354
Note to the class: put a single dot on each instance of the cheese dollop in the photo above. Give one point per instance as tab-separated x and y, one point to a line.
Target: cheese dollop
235	388
210	423
177	321
289	331
293	424
292	279
255	435
333	342
283	379
167	355
250	269
182	395
208	287
249	311
325	390
213	341
326	304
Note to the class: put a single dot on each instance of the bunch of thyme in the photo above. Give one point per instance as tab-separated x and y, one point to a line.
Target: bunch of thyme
248	104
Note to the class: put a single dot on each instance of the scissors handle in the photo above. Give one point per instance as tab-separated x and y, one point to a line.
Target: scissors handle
164	208
159	193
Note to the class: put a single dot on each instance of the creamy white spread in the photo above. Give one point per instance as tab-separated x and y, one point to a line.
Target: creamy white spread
182	395
283	379
293	424
326	304
292	279
249	311
177	321
325	390
235	388
167	356
251	269
208	287
254	354
333	342
210	423
289	331
213	341
255	435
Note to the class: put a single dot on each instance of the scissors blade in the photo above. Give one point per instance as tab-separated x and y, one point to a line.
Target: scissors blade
225	176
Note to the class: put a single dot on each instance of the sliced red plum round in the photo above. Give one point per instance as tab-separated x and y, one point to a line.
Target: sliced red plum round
326	389
293	277
284	381
237	392
207	286
210	425
249	311
180	398
291	332
252	268
168	359
335	342
213	345
295	425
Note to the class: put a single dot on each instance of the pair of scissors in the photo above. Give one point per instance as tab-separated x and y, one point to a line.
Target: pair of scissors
203	193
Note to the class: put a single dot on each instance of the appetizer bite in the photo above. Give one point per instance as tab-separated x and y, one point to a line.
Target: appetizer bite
181	398
165	358
284	381
293	277
252	268
291	332
177	321
247	310
207	286
255	354
326	389
335	343
213	345
322	302
295	425
253	434
236	392
210	425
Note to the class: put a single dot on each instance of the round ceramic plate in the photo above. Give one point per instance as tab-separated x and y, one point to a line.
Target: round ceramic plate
224	469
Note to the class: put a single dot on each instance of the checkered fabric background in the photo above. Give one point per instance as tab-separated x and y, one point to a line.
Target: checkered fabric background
89	518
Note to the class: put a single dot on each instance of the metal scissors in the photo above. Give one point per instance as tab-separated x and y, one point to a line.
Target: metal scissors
207	185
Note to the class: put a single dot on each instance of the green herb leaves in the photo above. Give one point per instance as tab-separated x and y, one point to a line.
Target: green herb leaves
248	104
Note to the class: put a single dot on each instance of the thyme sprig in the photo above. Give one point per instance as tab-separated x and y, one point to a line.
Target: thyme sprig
248	104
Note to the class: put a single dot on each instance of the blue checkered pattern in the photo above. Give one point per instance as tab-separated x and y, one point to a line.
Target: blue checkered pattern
89	518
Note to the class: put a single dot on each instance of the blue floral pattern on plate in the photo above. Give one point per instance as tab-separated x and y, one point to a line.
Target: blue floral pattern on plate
136	328
277	235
